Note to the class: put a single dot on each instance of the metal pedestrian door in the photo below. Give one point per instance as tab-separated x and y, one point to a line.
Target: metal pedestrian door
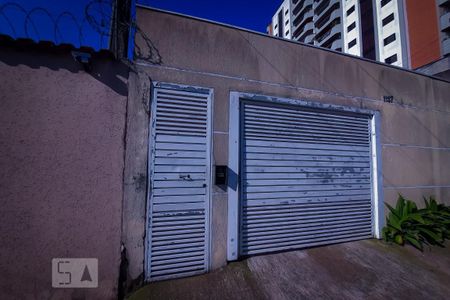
305	177
179	167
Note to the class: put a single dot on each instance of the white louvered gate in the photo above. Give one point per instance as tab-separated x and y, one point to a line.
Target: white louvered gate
306	177
178	218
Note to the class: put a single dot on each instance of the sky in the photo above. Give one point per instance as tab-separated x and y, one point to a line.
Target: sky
249	14
77	22
87	22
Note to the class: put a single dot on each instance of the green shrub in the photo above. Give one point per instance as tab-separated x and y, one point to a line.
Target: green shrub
438	216
408	224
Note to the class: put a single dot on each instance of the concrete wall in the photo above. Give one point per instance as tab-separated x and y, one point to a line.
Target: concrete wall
414	137
62	159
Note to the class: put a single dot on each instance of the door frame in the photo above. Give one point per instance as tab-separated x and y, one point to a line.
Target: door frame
150	169
234	160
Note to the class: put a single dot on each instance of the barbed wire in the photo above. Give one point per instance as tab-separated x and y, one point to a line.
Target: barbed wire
98	24
71	16
97	14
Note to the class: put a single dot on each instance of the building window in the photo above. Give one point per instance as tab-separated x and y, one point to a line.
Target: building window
286	12
389	39
280	24
287	33
352	43
287	22
388	19
384	2
367	27
350	10
391	59
351	27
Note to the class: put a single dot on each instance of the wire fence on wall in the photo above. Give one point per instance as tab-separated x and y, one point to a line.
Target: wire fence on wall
90	26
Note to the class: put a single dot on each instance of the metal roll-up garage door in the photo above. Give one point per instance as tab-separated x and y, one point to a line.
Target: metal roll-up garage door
178	212
305	177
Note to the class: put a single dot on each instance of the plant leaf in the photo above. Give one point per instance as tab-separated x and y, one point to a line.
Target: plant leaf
427	205
400	206
415	242
392	210
416	217
435	237
394	222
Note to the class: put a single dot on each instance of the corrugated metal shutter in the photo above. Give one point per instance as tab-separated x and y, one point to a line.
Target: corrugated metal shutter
178	238
305	177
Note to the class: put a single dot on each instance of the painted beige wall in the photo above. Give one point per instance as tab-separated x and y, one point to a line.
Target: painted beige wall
414	129
61	158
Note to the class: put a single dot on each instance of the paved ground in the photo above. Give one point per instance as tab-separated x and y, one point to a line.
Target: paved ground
359	270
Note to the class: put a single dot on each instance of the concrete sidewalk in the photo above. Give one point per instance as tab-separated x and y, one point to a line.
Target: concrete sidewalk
367	269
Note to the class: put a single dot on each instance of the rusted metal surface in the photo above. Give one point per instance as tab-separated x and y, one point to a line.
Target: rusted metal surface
323	158
179	186
249	63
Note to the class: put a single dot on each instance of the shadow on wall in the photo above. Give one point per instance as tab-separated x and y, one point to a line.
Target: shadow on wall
105	69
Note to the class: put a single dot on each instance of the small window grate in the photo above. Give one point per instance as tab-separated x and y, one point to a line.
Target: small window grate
351	44
350	10
388	19
384	2
389	39
351	27
391	59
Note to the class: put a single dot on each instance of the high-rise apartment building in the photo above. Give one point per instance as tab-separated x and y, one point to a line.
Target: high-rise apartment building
437	43
405	33
333	24
444	22
281	21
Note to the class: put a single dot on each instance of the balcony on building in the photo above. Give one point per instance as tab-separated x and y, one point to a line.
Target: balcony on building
445	22
309	39
444	2
326	7
330	29
305	16
304	28
326	19
336	45
320	6
326	39
306	32
446	47
300	6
